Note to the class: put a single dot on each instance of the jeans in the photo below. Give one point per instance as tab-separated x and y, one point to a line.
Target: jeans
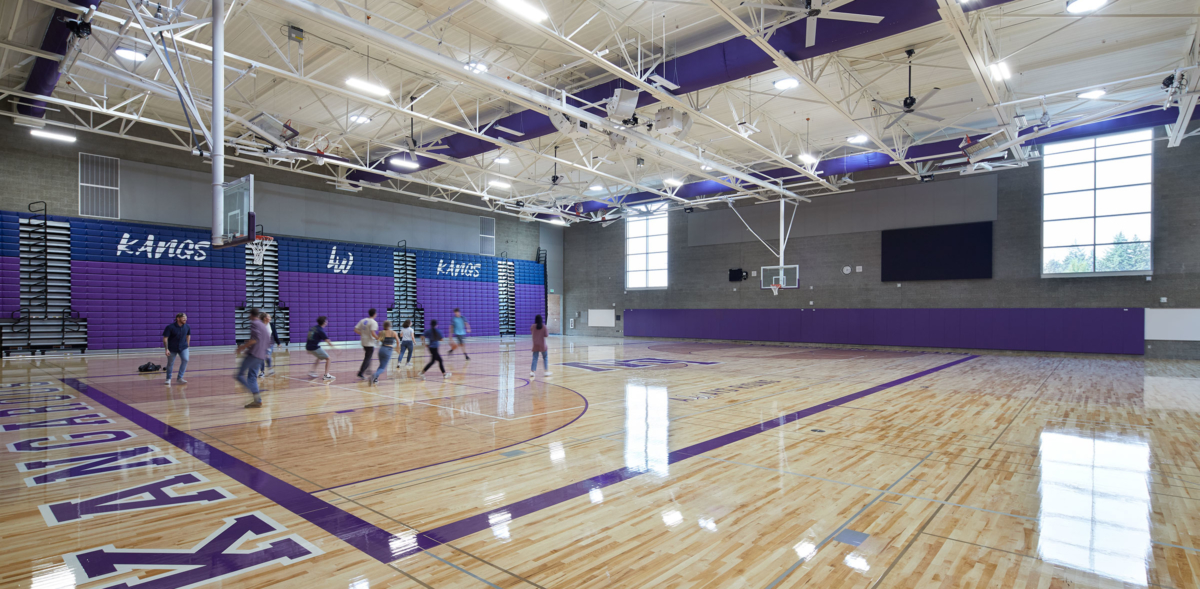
405	345
270	354
545	361
385	356
247	374
366	363
183	360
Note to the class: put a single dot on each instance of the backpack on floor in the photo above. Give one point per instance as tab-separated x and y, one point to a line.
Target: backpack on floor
149	367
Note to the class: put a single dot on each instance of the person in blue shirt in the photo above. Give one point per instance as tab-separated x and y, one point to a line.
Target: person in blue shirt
176	339
316	335
434	338
459	328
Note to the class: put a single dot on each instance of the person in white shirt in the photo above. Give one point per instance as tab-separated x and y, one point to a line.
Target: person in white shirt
407	336
366	330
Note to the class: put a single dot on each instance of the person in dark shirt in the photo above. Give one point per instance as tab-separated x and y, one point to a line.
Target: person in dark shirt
176	339
316	335
434	338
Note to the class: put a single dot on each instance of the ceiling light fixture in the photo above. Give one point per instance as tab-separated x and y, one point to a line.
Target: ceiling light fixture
786	83
130	54
367	87
806	158
359	119
475	67
407	164
1092	94
857	139
54	136
706	168
596	187
499	184
673	182
501	160
524	9
1079	6
557	222
999	71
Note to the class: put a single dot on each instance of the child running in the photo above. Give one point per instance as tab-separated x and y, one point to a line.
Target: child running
406	343
459	328
538	331
435	337
387	345
316	335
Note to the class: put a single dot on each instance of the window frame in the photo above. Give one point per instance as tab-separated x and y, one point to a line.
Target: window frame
647	212
1094	217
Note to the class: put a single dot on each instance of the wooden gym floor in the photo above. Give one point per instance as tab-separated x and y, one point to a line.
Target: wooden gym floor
636	464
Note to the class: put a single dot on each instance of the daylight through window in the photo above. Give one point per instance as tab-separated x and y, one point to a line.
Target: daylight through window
1096	204
646	246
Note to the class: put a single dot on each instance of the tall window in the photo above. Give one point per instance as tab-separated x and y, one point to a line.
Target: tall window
1096	205
646	247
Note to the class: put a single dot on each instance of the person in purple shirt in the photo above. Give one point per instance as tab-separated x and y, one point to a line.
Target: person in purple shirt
256	354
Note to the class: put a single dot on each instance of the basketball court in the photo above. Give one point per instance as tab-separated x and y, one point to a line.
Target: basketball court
838	294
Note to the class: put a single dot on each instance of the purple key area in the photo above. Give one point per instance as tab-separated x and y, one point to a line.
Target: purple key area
128	280
1096	331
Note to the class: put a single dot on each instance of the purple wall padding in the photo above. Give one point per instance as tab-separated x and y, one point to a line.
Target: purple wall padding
479	302
343	298
125	304
10	286
531	301
1097	331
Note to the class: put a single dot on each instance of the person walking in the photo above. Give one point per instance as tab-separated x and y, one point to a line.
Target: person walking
539	333
366	331
316	335
434	337
269	369
177	337
256	354
407	336
387	344
459	328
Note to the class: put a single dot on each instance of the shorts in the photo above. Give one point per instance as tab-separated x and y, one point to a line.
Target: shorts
460	339
319	353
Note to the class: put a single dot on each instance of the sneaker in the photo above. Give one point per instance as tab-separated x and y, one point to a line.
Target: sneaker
329	377
466	356
445	375
271	372
409	366
181	381
254	405
547	373
168	383
422	375
314	375
532	373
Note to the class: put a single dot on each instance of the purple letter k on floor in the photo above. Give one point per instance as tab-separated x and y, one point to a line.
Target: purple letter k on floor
217	557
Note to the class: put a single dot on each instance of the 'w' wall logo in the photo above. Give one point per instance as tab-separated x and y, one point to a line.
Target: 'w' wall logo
340	266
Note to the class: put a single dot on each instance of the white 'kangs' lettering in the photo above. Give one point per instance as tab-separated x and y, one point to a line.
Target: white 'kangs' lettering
185	250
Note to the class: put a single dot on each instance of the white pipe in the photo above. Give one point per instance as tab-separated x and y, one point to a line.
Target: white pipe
217	141
782	235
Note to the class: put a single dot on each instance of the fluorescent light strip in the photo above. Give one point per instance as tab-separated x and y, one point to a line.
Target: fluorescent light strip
786	83
54	136
130	54
1092	94
524	9
367	87
403	163
673	182
499	184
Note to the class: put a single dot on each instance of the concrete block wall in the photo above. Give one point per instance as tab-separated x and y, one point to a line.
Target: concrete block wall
698	276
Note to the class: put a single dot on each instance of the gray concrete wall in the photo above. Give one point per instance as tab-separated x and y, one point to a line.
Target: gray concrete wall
698	275
551	237
169	186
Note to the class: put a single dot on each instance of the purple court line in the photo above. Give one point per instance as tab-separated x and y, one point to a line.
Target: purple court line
477	523
581	414
370	539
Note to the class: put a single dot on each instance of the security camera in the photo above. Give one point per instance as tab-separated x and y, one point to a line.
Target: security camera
926	177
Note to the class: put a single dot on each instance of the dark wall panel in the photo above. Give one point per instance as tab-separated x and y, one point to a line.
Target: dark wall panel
944	252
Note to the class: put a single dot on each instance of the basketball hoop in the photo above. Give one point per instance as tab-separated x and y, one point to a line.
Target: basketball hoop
775	289
259	247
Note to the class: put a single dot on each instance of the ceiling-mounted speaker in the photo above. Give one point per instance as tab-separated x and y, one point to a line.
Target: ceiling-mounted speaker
621	143
622	105
567	126
671	121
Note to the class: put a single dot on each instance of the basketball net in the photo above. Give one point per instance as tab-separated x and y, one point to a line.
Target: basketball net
775	289
259	248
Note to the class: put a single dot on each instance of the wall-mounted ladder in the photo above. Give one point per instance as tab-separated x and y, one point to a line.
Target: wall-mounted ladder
406	307
262	292
46	320
506	285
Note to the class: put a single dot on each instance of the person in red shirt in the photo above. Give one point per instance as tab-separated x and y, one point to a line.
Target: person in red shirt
539	333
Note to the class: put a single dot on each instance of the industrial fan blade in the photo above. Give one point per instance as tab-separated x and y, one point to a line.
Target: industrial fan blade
920	102
851	17
895	120
810	32
925	116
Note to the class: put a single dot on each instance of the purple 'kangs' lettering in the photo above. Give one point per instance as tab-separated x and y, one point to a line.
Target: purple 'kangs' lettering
93	464
111	436
64	422
44	409
160	494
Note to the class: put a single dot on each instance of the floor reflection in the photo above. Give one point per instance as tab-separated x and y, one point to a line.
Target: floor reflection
647	419
1095	504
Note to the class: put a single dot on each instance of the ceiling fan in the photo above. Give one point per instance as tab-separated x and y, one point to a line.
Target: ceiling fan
813	10
911	105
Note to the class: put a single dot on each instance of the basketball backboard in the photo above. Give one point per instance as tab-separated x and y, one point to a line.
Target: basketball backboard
784	276
239	212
